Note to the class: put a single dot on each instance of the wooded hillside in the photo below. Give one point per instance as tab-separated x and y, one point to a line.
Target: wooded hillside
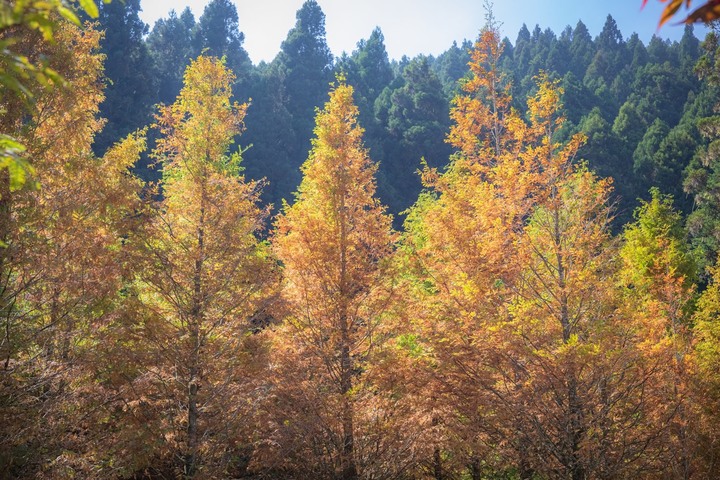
496	263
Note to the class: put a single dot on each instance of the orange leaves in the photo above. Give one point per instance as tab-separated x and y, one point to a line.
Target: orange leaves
210	129
336	215
518	303
708	12
335	242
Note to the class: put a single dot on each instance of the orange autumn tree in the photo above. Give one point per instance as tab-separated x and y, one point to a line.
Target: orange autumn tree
463	239
707	376
518	304
62	263
334	243
203	274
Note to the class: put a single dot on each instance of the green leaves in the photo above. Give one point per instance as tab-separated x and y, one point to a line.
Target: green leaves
18	73
12	157
90	8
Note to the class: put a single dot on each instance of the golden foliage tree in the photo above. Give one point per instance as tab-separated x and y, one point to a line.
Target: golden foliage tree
334	243
203	274
706	379
61	261
658	275
519	305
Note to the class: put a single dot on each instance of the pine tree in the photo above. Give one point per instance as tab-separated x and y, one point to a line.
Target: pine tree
131	86
170	46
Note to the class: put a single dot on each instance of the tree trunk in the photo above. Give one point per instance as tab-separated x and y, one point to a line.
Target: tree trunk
437	465
475	470
349	469
577	472
525	469
347	459
5	301
574	426
190	466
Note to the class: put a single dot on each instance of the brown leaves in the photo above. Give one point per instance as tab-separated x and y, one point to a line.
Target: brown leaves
335	243
707	13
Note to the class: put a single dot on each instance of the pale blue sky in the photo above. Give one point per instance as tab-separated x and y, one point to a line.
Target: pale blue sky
413	27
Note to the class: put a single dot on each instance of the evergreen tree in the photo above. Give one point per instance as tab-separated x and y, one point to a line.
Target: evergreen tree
306	64
171	49
131	87
702	174
416	127
604	153
582	50
452	65
659	50
218	34
688	49
369	71
636	52
373	67
522	53
270	136
644	154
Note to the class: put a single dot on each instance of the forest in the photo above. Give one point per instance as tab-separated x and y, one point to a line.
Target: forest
497	263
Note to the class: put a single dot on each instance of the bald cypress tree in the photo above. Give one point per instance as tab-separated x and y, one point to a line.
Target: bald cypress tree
334	242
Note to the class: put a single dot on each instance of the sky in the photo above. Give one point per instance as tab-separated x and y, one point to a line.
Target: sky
413	27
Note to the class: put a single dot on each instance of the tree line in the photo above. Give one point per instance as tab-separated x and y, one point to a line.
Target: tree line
513	327
637	103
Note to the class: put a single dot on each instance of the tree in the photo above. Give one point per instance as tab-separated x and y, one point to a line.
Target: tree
604	154
707	383
582	50
203	276
43	18
369	72
131	87
673	155
21	74
373	66
522	52
519	308
610	56
652	82
306	64
459	241
689	48
334	243
701	174
630	127
416	125
218	34
171	49
659	273
62	265
270	136
452	65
